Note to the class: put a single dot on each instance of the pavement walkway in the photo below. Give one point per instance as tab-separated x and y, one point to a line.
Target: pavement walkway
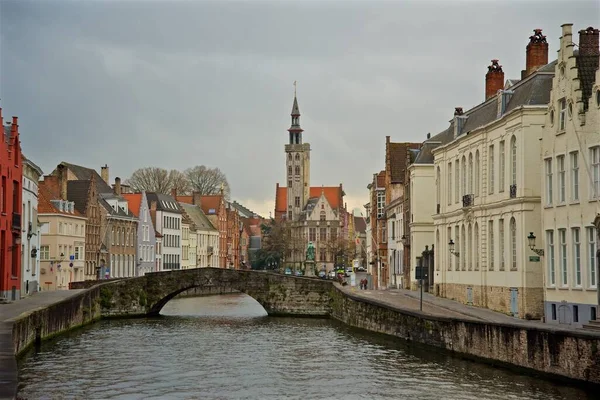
438	306
8	313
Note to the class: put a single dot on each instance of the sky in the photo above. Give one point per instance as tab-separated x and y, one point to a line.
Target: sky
176	84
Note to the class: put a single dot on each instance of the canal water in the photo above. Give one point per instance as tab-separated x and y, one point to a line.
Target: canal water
225	347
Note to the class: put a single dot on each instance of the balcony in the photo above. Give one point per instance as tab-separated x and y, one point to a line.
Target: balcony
513	191
467	200
16	222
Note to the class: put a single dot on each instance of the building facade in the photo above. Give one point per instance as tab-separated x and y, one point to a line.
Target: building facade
11	173
146	239
377	223
490	193
168	224
30	231
571	188
207	236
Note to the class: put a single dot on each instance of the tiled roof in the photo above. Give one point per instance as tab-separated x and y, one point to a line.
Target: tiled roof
48	191
103	197
77	191
333	194
210	202
185	199
164	202
197	216
85	174
381	179
586	72
360	225
243	210
396	152
135	201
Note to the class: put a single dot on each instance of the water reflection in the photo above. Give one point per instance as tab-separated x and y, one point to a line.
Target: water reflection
224	347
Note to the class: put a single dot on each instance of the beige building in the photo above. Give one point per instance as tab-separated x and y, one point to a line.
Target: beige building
489	192
62	249
206	238
571	182
185	242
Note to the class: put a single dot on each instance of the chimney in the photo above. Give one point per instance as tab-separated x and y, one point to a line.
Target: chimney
197	199
428	135
536	55
117	188
494	79
62	181
387	139
153	205
104	174
458	111
589	42
174	193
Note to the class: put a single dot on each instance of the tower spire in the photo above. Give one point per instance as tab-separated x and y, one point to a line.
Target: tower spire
295	130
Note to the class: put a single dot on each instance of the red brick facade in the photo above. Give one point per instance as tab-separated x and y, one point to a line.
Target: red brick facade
11	173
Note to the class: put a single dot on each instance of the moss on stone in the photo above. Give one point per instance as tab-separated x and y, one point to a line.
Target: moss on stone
106	295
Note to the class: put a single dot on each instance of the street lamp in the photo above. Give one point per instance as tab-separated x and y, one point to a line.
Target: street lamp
531	239
451	246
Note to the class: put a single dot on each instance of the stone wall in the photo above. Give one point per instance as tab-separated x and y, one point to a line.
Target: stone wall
210	291
497	298
573	355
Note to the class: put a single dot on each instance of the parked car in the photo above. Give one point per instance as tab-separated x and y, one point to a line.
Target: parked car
322	274
288	271
331	274
361	269
348	271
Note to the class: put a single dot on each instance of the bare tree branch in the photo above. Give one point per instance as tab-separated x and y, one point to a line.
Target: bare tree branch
150	179
207	180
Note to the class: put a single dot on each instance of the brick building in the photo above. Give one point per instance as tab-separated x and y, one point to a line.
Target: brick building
11	172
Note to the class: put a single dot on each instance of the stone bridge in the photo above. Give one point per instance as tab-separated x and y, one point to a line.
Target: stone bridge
278	294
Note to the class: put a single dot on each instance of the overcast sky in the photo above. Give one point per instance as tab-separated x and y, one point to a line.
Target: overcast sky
176	84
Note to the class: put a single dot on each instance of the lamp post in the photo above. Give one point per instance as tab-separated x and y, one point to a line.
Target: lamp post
531	239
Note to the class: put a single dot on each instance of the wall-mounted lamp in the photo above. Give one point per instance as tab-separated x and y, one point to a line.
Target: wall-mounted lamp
451	247
404	240
531	239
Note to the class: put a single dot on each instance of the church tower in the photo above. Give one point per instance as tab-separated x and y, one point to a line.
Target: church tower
297	167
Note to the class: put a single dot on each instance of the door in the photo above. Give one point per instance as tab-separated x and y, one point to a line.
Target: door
470	296
564	313
514	305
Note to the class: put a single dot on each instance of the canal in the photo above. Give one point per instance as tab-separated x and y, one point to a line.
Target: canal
225	347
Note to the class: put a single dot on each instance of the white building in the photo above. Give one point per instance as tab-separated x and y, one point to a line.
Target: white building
490	192
30	242
571	181
395	223
207	236
168	224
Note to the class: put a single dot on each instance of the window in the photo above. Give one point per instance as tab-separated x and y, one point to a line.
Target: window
501	244
513	160
562	251
513	244
380	203
44	252
553	312
383	232
476	247
491	169
575	176
322	216
470	248
449	254
297	170
464	176
60	228
470	191
112	236
477	179
289	215
502	167
463	249
576	255
562	106
575	313
438	184
456	181
312	234
297	157
333	233
591	250
297	201
323	234
289	183
449	183
595	160
550	258
457	247
560	168
290	170
491	246
548	165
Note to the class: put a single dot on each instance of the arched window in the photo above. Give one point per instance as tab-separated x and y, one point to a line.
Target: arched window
290	170
323	216
470	248
513	243
437	249
463	242
437	186
477	173
297	170
464	176
297	157
476	246
470	173
290	156
513	161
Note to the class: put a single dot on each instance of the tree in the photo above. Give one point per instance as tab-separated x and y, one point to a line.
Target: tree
342	251
207	181
150	179
275	245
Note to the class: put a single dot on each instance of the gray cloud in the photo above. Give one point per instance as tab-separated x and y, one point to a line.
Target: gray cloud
175	84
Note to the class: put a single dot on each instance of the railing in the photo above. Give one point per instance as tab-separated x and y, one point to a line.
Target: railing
467	200
16	221
513	191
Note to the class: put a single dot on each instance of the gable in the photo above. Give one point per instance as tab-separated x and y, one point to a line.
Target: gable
333	194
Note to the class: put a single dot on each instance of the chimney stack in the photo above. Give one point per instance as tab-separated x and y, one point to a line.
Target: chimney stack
458	111
428	135
62	181
153	205
104	174
197	199
174	193
117	186
589	42
536	55
494	79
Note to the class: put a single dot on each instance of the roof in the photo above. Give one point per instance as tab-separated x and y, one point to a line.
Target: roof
295	109
119	212
197	217
425	155
210	202
77	192
360	224
85	174
164	202
48	191
31	164
586	72
243	211
381	179
135	201
333	194
396	154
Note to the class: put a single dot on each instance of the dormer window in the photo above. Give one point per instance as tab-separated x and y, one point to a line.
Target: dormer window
562	113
